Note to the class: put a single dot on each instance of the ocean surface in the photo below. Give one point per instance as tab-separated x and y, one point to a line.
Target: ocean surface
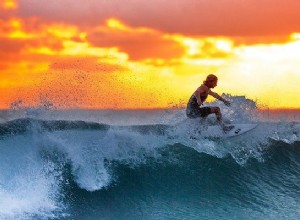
147	164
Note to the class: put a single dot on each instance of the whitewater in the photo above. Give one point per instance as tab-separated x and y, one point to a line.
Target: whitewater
147	164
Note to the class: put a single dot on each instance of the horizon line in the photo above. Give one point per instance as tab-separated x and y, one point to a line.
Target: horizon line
139	109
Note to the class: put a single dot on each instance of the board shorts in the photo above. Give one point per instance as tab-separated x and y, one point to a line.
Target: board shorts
193	110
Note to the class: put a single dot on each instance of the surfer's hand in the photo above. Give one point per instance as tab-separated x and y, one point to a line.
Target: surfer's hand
227	103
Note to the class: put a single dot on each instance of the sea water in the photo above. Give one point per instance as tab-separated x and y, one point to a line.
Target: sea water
150	164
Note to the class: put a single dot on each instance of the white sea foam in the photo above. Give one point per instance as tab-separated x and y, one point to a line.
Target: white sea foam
30	182
28	185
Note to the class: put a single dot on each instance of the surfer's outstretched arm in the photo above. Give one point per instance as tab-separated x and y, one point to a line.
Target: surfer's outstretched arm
217	96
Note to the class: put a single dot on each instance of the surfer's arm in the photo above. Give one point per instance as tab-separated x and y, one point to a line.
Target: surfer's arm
217	96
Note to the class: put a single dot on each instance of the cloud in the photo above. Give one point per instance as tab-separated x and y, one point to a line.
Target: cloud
189	17
76	54
21	41
30	32
8	4
9	48
139	43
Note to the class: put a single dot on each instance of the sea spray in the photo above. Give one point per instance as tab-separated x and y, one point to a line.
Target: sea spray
84	164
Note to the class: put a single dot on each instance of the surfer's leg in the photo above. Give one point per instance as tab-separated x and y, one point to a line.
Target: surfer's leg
217	112
193	112
204	111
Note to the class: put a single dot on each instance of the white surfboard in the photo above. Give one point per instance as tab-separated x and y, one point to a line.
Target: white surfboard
216	131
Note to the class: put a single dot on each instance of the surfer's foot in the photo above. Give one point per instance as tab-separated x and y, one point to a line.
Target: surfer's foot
227	128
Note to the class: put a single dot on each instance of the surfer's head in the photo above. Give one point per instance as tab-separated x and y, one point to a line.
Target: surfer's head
211	81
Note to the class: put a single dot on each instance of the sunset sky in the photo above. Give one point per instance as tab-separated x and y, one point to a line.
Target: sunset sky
120	54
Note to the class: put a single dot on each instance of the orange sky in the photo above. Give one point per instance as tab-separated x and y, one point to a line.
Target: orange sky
147	54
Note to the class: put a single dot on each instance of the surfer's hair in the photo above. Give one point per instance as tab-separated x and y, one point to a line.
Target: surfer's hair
210	78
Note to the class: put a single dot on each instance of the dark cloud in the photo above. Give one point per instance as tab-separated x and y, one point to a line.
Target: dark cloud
14	50
9	51
16	34
190	17
13	46
138	45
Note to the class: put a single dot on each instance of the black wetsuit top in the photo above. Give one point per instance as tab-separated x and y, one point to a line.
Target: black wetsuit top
193	110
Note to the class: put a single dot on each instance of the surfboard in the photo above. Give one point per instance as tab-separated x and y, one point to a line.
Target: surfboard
216	131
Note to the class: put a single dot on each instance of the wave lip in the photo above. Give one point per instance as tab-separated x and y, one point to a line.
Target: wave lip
20	126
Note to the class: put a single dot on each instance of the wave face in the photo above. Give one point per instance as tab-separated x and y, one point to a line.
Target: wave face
71	169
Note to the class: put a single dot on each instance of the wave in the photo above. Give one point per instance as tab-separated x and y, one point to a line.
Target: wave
23	125
46	175
47	166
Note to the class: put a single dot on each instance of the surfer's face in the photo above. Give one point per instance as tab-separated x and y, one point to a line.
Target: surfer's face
213	84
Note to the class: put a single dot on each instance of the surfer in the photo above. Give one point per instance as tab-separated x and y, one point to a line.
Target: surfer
194	109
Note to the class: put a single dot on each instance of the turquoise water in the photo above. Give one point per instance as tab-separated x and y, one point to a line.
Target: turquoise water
86	165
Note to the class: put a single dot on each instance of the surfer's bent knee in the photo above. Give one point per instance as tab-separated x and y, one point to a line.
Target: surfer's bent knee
215	110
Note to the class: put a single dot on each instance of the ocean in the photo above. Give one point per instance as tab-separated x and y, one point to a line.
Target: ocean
147	164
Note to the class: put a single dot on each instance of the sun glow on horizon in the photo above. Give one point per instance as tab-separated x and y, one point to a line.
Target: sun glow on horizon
116	65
